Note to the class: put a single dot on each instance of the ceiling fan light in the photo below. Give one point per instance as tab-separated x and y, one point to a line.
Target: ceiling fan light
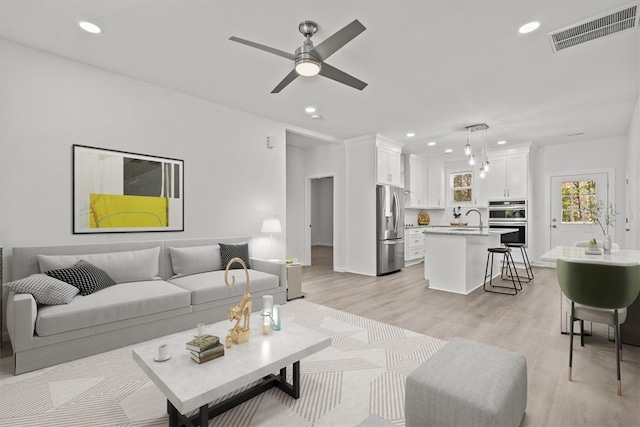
307	67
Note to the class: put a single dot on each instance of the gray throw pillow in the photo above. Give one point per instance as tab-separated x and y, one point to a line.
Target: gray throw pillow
45	290
228	251
84	276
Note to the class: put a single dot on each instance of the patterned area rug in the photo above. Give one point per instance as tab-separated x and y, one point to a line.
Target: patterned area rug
361	375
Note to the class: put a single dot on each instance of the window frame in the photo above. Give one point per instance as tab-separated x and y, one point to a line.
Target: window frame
452	189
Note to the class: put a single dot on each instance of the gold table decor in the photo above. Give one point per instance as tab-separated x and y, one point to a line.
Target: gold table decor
241	313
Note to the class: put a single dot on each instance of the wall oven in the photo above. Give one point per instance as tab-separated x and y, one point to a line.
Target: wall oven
509	214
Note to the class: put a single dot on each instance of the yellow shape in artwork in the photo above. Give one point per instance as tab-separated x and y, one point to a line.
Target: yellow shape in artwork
117	211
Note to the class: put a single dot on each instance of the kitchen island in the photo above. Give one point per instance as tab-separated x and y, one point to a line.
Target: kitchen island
455	257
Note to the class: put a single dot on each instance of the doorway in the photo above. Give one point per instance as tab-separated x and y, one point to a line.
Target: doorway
571	197
320	236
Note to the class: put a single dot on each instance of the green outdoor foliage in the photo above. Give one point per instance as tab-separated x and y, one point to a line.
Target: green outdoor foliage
461	183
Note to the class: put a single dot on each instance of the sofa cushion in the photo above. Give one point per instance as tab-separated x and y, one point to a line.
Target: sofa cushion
195	259
210	286
228	251
116	303
129	266
45	289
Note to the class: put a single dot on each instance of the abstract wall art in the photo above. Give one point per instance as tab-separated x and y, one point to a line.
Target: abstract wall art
118	192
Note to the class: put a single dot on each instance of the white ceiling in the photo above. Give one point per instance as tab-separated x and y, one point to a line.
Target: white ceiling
433	67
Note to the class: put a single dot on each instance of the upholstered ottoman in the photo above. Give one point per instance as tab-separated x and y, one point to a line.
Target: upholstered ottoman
467	384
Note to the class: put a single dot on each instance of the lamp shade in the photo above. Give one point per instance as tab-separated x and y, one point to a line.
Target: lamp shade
271	225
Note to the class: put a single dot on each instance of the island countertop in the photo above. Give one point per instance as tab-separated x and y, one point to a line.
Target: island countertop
467	231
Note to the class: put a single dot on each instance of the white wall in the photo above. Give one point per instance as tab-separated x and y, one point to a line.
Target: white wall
295	202
48	103
580	157
322	211
317	162
633	164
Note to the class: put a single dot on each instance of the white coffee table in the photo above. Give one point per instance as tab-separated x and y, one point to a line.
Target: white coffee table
189	386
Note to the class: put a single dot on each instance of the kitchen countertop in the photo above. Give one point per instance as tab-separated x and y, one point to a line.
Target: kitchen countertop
467	231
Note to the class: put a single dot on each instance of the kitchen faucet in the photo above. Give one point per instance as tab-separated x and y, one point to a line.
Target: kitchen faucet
479	214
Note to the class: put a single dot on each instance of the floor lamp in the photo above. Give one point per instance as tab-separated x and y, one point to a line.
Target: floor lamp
271	225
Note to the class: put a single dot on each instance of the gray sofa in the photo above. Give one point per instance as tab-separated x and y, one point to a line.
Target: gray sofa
149	300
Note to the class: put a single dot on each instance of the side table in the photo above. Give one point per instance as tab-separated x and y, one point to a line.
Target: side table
294	281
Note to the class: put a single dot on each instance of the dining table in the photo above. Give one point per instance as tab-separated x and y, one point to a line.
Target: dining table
630	330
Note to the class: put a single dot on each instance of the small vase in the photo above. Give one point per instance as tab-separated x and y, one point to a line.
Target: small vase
606	244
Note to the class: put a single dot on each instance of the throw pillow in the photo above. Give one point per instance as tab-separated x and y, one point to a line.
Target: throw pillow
228	251
195	259
84	276
45	290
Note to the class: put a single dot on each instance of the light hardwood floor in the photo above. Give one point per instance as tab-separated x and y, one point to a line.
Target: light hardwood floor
528	323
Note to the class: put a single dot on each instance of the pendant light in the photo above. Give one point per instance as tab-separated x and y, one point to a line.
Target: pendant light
468	150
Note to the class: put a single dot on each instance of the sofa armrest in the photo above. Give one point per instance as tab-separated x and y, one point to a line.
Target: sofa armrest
22	312
277	268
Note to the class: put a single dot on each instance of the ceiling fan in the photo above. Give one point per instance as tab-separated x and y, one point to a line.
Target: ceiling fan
310	60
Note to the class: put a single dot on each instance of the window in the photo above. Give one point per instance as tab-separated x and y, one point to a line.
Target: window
461	186
578	202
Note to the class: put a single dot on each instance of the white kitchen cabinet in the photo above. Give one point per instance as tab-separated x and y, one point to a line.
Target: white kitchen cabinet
508	177
389	167
413	246
435	187
425	184
415	172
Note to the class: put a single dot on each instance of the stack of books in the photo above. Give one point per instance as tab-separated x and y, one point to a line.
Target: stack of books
205	347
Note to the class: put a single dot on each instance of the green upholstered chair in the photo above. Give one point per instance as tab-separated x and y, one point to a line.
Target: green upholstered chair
599	293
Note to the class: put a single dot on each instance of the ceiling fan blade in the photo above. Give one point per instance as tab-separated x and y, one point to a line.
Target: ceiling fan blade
341	77
329	46
263	47
290	77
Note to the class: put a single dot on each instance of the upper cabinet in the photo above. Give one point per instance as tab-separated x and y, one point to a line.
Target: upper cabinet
507	177
425	184
389	163
415	182
435	187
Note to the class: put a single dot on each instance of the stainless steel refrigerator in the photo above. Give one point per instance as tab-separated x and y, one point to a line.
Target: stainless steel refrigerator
390	228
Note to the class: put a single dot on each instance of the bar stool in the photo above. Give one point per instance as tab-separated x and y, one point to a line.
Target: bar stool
525	259
506	252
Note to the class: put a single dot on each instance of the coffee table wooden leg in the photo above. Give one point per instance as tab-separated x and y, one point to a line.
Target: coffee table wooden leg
204	415
173	415
296	380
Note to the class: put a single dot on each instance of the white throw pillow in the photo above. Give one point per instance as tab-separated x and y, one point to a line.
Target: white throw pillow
195	259
130	266
45	290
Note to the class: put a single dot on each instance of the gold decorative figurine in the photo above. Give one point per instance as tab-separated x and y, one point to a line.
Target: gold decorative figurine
241	313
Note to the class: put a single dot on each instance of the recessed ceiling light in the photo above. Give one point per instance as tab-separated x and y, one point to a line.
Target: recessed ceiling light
431	144
90	27
316	117
448	150
502	142
411	134
529	27
310	110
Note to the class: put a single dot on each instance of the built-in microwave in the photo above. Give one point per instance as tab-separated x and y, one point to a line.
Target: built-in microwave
510	214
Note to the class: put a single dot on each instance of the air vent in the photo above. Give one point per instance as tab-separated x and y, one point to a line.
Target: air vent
595	28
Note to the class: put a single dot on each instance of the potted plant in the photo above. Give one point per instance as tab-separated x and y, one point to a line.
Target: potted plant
605	217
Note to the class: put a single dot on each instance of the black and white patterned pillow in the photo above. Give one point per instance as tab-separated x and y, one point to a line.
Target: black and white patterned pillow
228	251
45	290
84	276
